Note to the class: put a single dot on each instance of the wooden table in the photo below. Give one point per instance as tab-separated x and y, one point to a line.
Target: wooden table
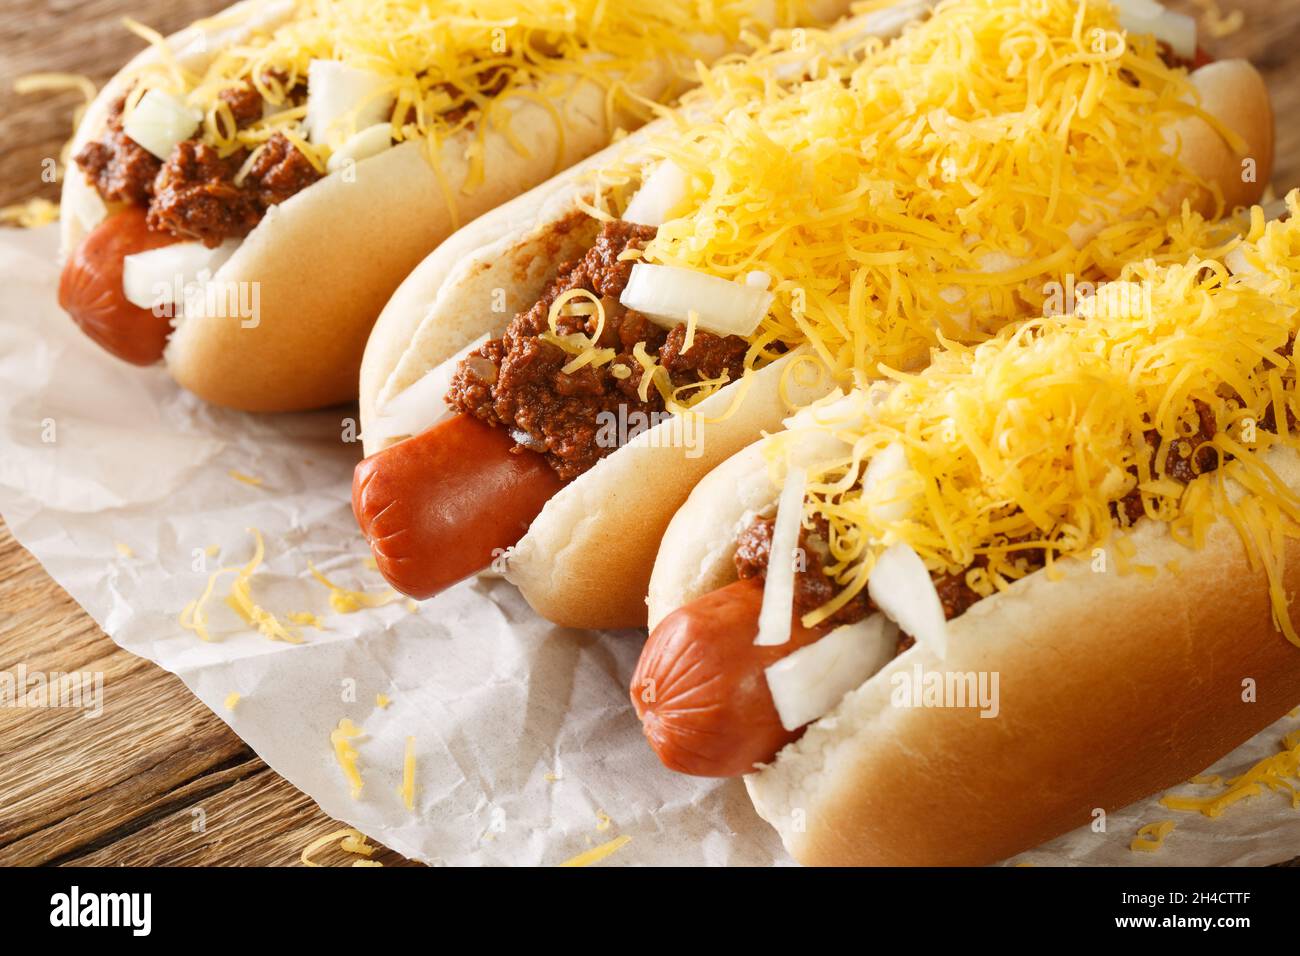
132	786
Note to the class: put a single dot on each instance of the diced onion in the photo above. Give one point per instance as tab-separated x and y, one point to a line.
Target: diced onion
160	121
901	587
422	404
668	295
1147	16
341	98
778	588
1237	262
160	276
882	480
810	682
371	141
659	197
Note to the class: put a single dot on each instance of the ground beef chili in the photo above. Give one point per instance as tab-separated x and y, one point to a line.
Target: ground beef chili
279	172
517	381
245	103
1190	457
119	168
193	195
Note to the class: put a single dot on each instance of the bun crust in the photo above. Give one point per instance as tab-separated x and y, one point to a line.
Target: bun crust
1111	687
324	262
586	559
1233	92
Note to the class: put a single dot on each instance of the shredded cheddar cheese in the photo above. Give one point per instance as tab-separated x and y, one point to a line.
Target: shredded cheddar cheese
245	479
39	212
346	601
1152	836
382	701
1218	23
455	64
1026	441
31	214
928	188
1279	772
349	840
596	854
346	754
232	700
239	598
407	790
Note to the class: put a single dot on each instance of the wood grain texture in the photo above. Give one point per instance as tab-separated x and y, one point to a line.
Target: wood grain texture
157	779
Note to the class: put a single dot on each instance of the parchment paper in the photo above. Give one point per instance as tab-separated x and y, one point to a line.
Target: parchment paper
527	748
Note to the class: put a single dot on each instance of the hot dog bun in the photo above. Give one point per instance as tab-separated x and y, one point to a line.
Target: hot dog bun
1234	93
1112	687
586	559
326	260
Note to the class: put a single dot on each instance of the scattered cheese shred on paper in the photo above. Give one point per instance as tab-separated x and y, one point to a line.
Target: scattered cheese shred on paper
1152	836
232	700
1279	772
31	214
346	601
346	754
245	479
407	789
239	599
596	854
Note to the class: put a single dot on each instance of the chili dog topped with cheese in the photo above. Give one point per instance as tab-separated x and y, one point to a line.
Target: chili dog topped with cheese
249	191
1102	509
809	215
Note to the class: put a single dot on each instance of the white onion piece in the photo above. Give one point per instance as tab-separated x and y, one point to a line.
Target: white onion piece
882	478
668	294
1147	16
420	405
774	617
371	141
659	196
160	276
338	94
810	682
160	121
901	587
889	21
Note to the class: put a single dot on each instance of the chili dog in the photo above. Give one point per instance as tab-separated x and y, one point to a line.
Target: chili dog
975	548
662	303
293	160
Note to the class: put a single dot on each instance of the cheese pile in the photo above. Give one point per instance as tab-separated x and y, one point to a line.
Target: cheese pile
1031	436
439	55
928	185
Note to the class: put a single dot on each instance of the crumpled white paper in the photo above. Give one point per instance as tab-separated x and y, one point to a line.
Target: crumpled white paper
527	748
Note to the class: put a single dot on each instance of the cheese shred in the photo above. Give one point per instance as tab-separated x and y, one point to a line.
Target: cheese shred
341	740
1151	837
598	853
1027	441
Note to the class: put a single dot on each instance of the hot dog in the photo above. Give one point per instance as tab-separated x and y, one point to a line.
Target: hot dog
303	155
457	468
731	236
90	289
977	512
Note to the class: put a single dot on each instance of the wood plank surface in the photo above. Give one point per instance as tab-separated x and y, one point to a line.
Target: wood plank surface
157	779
